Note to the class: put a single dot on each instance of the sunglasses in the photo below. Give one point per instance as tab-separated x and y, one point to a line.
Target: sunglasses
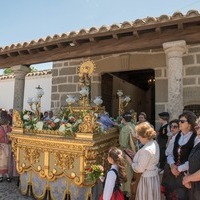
182	121
197	128
173	126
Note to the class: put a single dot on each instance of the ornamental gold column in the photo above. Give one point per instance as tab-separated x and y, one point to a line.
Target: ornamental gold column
174	52
20	72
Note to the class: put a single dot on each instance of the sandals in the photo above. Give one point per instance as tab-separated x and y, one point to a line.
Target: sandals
1	179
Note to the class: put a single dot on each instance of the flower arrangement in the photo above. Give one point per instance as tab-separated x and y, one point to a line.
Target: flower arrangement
94	172
65	122
29	119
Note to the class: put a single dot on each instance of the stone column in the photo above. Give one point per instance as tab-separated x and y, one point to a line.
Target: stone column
174	52
20	72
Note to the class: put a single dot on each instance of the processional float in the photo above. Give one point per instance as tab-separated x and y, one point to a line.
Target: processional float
53	164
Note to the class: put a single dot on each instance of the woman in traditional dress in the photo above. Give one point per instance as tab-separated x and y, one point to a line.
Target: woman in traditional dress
174	129
178	157
192	179
145	162
5	150
127	140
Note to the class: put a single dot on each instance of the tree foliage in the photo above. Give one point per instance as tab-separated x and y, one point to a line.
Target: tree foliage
9	71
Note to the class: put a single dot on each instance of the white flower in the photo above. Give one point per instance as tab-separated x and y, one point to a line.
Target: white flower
26	117
56	120
39	125
68	125
62	128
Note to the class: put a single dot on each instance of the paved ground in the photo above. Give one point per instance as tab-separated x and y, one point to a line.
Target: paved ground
10	191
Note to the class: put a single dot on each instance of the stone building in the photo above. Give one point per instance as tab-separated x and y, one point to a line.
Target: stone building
128	56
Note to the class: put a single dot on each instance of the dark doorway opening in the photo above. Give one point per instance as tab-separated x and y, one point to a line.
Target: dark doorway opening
141	83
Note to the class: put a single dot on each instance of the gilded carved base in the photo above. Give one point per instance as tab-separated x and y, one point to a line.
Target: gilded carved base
45	160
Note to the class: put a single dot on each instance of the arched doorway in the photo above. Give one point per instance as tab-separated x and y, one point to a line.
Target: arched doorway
138	84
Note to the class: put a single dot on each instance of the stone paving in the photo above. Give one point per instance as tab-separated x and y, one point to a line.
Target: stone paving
10	191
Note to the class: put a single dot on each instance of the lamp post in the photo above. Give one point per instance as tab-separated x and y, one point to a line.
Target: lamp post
123	102
70	101
98	101
84	92
36	101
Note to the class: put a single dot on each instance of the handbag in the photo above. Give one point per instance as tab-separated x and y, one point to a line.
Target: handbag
134	184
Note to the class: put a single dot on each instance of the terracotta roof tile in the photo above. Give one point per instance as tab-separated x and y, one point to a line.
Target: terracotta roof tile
126	24
36	73
103	29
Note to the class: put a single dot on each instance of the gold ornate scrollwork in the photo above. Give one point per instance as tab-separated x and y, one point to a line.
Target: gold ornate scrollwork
65	160
89	124
90	157
31	155
14	147
17	121
48	175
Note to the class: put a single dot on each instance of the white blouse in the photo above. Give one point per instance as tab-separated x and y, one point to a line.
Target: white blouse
110	183
182	140
146	159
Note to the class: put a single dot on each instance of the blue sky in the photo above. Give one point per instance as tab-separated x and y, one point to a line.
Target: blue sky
25	20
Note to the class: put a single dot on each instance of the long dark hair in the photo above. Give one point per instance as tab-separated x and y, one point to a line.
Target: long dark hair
116	155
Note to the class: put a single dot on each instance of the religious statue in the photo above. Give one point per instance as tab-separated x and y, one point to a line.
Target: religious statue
89	124
85	73
17	121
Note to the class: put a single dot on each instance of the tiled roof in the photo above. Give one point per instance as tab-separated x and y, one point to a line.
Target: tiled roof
36	73
103	29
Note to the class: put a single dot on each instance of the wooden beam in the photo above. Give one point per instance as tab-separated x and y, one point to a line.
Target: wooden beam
180	26
158	30
115	36
135	33
109	46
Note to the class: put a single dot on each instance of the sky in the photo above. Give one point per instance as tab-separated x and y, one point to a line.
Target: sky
26	20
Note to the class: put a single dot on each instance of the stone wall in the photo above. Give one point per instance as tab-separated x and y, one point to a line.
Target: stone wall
65	75
191	80
65	81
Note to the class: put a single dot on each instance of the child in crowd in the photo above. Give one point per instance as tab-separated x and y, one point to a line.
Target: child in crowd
115	176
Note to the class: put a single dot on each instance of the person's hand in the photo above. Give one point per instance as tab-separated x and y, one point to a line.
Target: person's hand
102	178
186	181
130	152
128	159
188	185
174	170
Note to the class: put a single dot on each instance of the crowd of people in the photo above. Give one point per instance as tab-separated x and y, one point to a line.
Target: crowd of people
147	163
157	163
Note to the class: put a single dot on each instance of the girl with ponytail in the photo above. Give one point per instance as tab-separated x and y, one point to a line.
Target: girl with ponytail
115	176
